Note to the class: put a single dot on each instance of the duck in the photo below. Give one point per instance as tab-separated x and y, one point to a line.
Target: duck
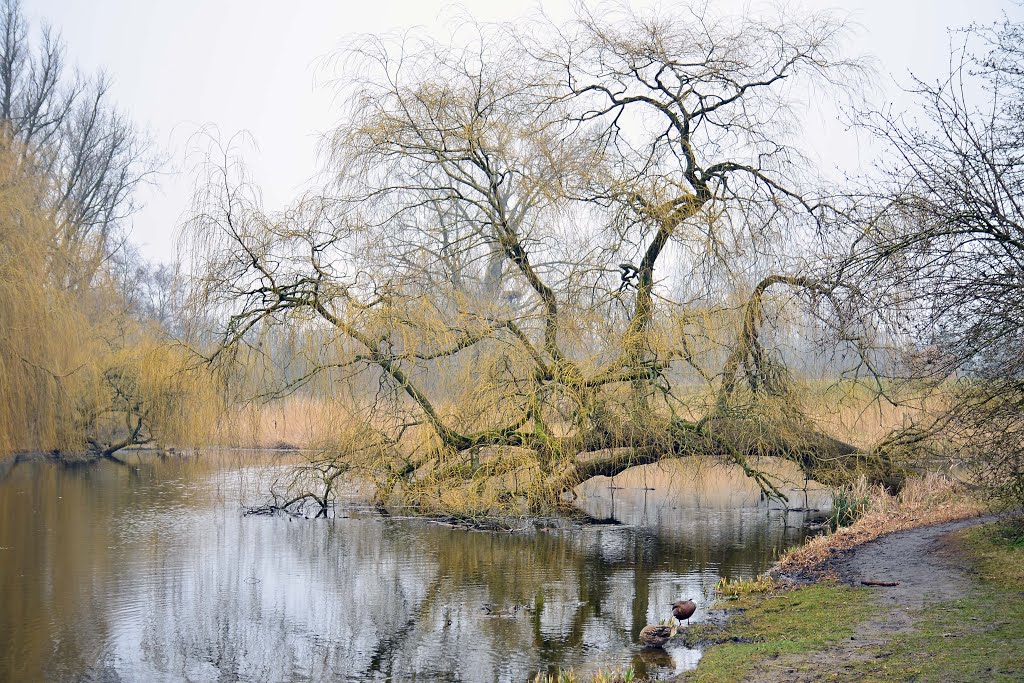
684	609
656	635
493	610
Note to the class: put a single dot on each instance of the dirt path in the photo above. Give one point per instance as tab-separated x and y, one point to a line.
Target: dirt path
927	570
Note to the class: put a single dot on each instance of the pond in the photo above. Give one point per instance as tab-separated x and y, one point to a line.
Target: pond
151	572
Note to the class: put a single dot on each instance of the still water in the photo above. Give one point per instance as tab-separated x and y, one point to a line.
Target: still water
152	573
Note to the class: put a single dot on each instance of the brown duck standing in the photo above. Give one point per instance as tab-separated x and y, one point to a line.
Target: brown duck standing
684	609
656	635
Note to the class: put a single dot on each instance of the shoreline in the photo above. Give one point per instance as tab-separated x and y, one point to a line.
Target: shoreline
833	625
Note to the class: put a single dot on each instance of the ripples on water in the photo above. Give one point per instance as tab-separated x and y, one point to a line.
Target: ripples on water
152	573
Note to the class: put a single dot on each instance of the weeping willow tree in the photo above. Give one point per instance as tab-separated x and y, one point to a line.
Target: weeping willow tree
42	332
554	253
78	373
81	370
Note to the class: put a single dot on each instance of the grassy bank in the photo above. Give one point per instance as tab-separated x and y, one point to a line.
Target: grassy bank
978	636
778	624
974	636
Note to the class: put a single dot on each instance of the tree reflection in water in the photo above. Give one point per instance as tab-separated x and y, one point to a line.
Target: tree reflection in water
151	572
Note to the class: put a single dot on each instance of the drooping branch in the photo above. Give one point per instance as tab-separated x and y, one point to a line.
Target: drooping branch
748	350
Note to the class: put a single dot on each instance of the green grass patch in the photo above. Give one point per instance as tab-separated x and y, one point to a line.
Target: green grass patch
997	551
970	637
797	621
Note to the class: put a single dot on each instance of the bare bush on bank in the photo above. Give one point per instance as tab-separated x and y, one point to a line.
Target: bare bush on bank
939	244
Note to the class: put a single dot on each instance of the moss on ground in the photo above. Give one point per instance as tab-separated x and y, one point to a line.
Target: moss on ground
789	623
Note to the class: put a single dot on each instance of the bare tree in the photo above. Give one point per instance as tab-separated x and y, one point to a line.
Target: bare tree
941	245
562	245
69	131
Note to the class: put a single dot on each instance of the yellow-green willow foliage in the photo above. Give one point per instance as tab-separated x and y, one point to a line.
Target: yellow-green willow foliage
143	382
543	256
77	372
43	334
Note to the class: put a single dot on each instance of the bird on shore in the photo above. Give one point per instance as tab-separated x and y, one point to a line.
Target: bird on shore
656	635
684	609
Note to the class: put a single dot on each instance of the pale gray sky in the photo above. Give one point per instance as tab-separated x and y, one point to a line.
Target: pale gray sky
251	65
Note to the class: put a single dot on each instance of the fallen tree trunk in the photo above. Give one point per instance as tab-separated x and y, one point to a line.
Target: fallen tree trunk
742	441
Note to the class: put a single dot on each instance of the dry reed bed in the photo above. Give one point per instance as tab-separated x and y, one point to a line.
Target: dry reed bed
847	413
931	499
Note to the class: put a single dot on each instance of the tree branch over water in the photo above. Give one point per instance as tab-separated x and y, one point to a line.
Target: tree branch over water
472	255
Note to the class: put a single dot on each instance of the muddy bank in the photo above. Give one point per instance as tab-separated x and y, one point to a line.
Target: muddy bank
922	562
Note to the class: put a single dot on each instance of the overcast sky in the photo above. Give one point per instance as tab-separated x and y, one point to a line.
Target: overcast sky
253	65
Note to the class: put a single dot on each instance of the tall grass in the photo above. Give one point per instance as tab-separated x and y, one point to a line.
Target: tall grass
626	675
849	503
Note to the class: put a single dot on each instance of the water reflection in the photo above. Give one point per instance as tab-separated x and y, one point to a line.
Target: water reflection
151	573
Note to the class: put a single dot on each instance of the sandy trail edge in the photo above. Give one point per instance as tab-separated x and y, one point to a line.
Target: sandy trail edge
928	571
